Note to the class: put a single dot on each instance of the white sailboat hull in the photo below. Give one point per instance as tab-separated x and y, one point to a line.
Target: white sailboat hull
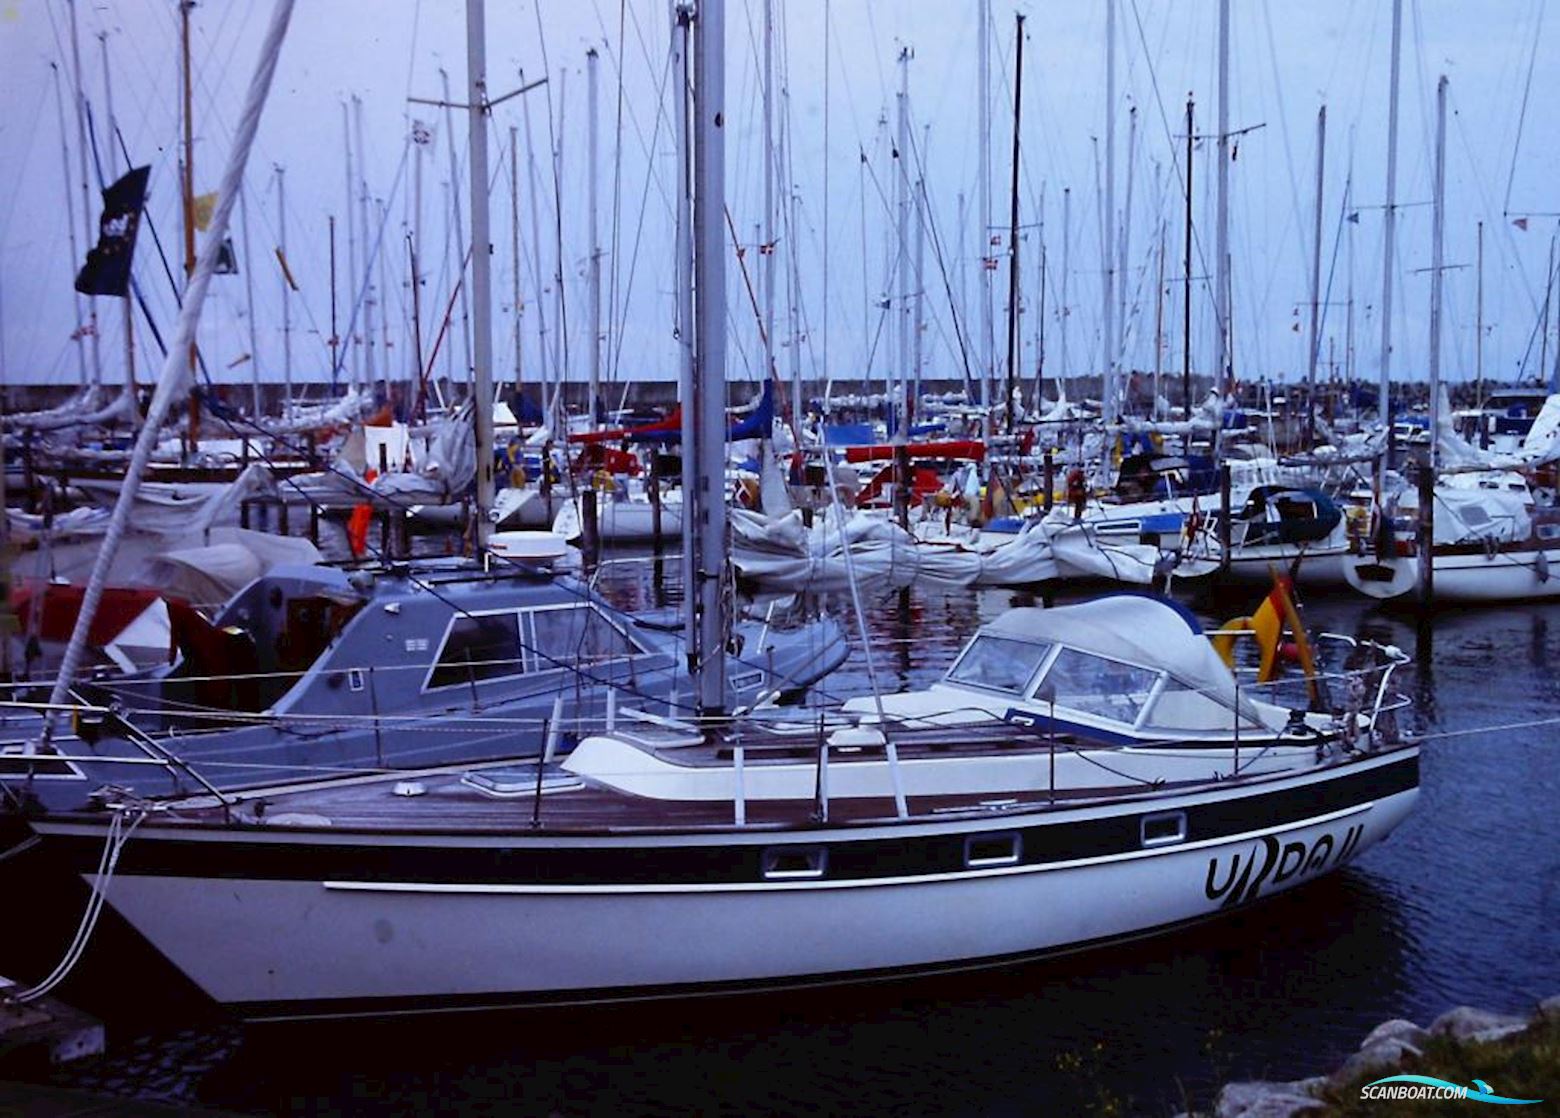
343	945
1501	576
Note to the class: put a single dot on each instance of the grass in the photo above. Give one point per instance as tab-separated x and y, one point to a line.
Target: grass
1523	1066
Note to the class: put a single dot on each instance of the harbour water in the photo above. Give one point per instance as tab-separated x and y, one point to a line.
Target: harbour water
1462	905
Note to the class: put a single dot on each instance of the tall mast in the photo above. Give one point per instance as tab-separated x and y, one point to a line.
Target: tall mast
549	370
1389	234
518	301
1040	317
352	240
919	290
108	106
1221	292
1437	274
898	400
281	235
80	334
1313	350
187	186
1186	263
459	254
983	130
591	60
766	250
1478	331
1159	318
86	196
1018	105
682	284
1066	310
794	291
481	267
171	379
1108	292
705	505
248	268
1126	245
370	367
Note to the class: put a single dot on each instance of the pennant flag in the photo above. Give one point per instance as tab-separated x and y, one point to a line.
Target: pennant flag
996	239
286	271
1353	218
201	208
227	259
989	263
422	133
107	270
1521	223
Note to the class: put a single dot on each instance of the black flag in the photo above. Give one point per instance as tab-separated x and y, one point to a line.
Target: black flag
227	259
107	270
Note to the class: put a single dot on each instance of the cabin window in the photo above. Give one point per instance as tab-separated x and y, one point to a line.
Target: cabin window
999	663
1181	710
1100	686
576	635
1163	828
478	648
789	863
985	851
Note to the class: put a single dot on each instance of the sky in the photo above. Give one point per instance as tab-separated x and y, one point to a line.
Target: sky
844	279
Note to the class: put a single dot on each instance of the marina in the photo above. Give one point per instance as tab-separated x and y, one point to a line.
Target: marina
923	731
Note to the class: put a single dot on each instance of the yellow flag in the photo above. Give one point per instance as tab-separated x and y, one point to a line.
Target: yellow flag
202	209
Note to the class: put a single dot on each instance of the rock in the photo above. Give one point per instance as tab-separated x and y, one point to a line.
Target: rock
1396	1029
1548	1010
1312	1085
1477	1025
1259	1099
1383	1056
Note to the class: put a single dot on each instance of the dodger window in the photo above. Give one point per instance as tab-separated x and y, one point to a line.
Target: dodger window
478	648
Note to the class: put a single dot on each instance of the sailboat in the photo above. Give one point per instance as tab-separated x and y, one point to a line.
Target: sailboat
1080	775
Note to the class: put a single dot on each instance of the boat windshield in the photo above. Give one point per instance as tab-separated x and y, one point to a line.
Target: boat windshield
999	663
1100	686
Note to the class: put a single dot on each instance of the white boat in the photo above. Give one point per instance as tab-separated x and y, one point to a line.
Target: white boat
1081	775
1491	544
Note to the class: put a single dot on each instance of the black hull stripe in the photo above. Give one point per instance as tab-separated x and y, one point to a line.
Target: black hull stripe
394	859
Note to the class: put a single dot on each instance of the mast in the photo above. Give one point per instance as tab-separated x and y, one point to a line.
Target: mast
187	183
86	196
281	234
1316	280
108	106
983	130
455	215
536	250
1108	292
898	401
1186	263
919	293
1126	246
352	254
705	506
370	370
682	284
794	292
1437	274
1221	292
248	269
1040	317
518	302
766	248
591	60
1159	318
335	339
171	380
1478	332
80	334
1066	311
481	268
1389	234
1018	105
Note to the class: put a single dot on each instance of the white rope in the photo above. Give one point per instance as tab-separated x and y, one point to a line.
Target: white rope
113	844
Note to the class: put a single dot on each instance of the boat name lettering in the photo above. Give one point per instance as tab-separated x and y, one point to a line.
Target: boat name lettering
1250	869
